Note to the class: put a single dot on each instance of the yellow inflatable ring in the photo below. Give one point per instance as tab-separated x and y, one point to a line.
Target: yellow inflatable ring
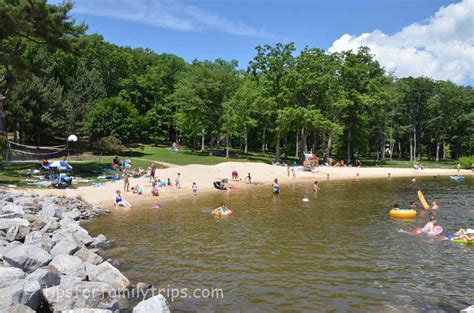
402	213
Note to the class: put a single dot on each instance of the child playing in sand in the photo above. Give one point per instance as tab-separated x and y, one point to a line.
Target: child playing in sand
195	189
154	189
137	189
177	181
119	201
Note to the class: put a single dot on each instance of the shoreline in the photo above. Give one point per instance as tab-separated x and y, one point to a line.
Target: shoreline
204	175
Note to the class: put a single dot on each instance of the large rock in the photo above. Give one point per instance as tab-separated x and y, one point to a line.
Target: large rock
101	242
37	222
469	309
74	214
46	278
27	257
17	232
22	292
10	274
81	295
88	256
6	223
69	265
156	304
39	239
12	208
106	273
70	280
68	245
49	209
83	236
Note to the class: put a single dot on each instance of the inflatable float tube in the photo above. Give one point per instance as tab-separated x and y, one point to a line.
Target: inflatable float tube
402	213
463	241
458	178
219	185
423	200
219	214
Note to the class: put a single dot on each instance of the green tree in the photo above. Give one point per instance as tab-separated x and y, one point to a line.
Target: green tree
25	25
270	67
113	117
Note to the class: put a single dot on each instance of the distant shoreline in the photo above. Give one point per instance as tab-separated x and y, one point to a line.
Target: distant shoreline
205	175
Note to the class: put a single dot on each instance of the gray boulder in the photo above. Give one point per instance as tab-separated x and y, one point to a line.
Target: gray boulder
27	257
22	292
68	245
74	214
69	280
83	236
88	256
81	295
37	222
469	309
39	239
106	273
156	304
101	242
49	209
17	232
46	278
69	265
6	223
10	274
12	209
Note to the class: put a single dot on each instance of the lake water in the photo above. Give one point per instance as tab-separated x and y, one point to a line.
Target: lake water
339	251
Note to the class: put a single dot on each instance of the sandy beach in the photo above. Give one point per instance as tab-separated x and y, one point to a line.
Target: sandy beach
205	175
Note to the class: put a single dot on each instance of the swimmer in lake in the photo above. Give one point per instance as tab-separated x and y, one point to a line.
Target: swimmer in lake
434	206
276	186
221	210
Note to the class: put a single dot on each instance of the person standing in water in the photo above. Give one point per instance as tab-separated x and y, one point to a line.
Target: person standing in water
288	170
316	186
249	179
293	171
195	189
276	186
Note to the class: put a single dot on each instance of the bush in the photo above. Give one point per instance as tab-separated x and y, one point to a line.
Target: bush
466	162
109	145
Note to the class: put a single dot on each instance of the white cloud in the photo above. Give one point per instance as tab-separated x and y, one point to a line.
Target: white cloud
170	14
441	48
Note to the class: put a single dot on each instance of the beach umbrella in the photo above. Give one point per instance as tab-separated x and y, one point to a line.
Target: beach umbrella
59	166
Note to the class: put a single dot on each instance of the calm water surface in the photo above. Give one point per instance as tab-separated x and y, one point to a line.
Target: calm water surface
339	251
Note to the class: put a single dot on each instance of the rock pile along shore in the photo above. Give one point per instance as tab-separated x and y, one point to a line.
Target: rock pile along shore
49	263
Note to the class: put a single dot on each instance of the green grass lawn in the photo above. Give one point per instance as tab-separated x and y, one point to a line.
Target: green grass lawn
447	164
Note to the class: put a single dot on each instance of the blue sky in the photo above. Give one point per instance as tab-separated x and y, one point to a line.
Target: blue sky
231	29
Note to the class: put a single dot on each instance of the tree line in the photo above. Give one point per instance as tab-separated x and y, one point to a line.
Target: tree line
58	80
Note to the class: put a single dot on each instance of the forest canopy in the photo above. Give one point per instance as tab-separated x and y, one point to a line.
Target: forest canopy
58	80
